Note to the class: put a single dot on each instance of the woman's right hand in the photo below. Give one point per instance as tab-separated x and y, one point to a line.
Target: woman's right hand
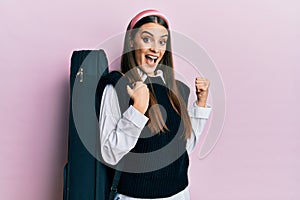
140	96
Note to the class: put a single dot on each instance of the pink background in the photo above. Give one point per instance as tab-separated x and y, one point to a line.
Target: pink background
254	44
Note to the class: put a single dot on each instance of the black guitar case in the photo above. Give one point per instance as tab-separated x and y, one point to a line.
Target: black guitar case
85	178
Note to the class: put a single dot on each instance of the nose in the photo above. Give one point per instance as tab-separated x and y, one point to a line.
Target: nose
154	47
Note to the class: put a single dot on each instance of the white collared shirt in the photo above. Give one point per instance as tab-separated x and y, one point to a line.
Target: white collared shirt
119	132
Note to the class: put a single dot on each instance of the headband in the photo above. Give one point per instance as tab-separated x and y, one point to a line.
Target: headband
146	13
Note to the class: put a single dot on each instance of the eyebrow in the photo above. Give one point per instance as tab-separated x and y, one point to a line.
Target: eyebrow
152	34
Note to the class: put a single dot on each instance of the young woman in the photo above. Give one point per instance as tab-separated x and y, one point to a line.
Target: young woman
144	127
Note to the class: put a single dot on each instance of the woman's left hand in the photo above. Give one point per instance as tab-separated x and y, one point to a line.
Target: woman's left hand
202	86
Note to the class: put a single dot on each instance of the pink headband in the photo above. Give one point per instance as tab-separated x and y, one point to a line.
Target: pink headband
146	13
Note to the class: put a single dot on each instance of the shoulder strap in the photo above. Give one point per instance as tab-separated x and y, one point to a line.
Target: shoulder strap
114	186
119	81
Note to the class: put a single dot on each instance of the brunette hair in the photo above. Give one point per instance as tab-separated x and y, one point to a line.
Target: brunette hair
128	66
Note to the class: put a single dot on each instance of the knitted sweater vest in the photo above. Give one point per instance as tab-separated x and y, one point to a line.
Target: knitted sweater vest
160	160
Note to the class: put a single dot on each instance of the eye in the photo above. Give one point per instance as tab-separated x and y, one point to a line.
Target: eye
162	42
146	39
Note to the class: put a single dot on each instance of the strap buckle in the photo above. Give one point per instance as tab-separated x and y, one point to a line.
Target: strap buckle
113	189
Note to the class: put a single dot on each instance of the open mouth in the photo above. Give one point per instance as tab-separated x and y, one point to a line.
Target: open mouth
151	59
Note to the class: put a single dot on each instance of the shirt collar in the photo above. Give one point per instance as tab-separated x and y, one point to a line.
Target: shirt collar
158	73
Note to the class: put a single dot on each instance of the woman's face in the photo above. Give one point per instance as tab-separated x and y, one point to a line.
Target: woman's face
150	44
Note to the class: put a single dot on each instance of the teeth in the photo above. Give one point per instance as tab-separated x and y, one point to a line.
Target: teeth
152	57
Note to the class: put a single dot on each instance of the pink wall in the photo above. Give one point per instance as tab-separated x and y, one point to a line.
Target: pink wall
253	43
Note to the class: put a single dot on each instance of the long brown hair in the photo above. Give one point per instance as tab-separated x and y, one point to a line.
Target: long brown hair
128	66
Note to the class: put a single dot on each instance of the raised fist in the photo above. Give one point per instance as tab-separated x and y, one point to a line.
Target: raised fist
202	86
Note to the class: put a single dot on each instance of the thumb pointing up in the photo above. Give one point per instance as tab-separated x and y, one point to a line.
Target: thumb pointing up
129	90
140	96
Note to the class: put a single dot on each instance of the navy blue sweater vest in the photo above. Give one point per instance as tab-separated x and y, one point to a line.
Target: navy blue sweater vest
162	164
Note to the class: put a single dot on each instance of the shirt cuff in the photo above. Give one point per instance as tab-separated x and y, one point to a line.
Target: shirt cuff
136	117
200	112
